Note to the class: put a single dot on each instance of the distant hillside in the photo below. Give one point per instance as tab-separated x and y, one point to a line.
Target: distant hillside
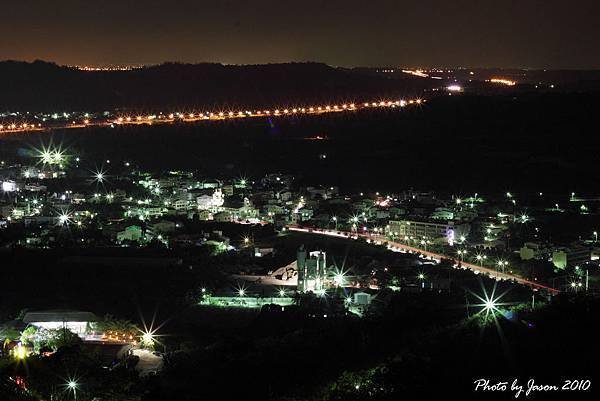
42	86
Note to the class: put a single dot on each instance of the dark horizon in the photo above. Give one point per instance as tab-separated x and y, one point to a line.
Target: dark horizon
399	66
507	34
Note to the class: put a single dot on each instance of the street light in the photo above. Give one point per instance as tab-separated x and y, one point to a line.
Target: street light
147	339
339	278
480	258
72	385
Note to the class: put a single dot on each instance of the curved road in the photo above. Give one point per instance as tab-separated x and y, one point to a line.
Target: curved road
406	248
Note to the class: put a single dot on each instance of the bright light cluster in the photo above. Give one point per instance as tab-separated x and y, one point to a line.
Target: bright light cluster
52	155
503	81
454	88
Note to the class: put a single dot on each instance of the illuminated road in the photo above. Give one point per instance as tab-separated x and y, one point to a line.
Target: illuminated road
193	117
397	246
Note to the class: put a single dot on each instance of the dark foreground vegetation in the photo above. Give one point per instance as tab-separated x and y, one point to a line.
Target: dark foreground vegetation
418	344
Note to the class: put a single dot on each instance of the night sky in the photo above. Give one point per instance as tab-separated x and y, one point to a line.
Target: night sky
476	33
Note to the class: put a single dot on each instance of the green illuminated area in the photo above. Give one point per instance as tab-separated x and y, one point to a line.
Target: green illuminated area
245	302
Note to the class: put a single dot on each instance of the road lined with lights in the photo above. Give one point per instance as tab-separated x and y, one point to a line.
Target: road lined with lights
190	117
379	239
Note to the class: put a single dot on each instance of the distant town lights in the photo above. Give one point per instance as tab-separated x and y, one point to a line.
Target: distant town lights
454	88
503	81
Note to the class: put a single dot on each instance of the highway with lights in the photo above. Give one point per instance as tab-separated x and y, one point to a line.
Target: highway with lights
193	117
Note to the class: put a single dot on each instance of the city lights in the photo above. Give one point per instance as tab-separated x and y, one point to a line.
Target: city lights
290	202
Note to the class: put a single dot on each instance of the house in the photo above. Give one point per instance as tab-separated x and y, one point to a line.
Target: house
131	233
222	216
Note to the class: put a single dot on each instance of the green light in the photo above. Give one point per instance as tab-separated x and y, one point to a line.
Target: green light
147	339
99	176
64	218
339	278
489	303
20	352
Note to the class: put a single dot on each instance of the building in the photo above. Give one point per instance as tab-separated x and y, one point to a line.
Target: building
130	233
312	270
571	256
303	214
213	201
75	321
533	250
180	204
222	217
447	230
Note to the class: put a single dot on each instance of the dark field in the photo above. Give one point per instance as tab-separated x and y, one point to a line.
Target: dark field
458	144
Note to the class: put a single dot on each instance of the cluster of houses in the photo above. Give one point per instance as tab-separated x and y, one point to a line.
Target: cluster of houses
136	207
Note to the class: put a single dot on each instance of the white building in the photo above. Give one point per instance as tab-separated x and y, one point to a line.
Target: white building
75	321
